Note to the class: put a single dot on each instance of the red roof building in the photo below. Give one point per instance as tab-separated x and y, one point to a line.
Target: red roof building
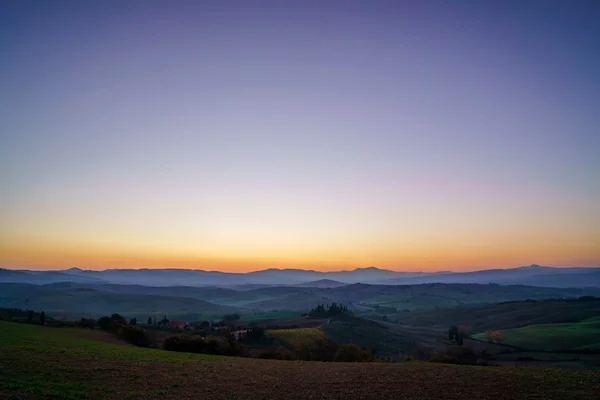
177	324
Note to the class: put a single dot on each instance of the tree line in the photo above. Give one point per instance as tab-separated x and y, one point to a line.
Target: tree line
326	311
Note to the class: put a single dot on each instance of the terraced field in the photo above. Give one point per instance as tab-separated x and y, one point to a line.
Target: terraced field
296	338
55	363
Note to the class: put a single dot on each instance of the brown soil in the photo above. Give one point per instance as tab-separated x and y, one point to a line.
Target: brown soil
269	379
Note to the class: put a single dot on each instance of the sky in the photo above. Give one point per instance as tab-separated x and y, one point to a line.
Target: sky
243	135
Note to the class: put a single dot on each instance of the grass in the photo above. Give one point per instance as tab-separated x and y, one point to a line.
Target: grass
59	363
410	302
566	336
296	338
505	316
26	339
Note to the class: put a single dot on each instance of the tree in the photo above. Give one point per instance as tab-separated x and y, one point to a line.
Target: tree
149	320
133	321
118	317
231	317
29	316
163	321
87	323
104	322
488	336
497	337
134	335
43	318
114	322
453	332
321	311
351	353
255	333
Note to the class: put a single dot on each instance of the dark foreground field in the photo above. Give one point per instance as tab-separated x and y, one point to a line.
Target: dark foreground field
39	362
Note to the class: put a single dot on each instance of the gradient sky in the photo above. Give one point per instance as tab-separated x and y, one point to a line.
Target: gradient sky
241	135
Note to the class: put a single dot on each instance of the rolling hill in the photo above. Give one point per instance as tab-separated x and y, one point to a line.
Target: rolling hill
507	315
84	301
46	363
582	335
534	275
384	341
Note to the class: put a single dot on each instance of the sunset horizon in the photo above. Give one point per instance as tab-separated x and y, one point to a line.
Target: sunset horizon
411	136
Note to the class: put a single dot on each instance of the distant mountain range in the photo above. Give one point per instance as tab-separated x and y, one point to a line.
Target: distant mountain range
533	275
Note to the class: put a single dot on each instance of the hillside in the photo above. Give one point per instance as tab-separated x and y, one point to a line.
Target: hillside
384	341
44	363
94	303
533	275
92	299
565	336
298	337
323	283
505	315
43	277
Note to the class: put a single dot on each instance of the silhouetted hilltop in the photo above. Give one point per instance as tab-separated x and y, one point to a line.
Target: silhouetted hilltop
533	275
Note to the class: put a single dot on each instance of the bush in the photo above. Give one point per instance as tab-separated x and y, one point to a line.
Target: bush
317	350
114	326
455	355
278	353
104	322
352	353
113	323
134	335
86	323
195	344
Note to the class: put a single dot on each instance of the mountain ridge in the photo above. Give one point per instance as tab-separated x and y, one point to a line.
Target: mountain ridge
530	275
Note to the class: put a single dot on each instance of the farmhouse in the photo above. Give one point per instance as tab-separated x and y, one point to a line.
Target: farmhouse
239	334
177	324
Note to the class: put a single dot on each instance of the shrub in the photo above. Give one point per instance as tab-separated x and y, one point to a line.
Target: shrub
114	326
455	355
86	323
195	344
113	323
134	335
317	350
278	353
352	353
104	322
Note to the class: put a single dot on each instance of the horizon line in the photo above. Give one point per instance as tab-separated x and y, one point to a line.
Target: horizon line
63	269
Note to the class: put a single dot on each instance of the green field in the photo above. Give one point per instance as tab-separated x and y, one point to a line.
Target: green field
566	336
28	338
410	302
296	338
67	363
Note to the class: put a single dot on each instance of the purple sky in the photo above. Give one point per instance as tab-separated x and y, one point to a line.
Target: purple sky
237	134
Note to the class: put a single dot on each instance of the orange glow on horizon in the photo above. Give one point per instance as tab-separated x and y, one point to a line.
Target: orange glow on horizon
53	256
